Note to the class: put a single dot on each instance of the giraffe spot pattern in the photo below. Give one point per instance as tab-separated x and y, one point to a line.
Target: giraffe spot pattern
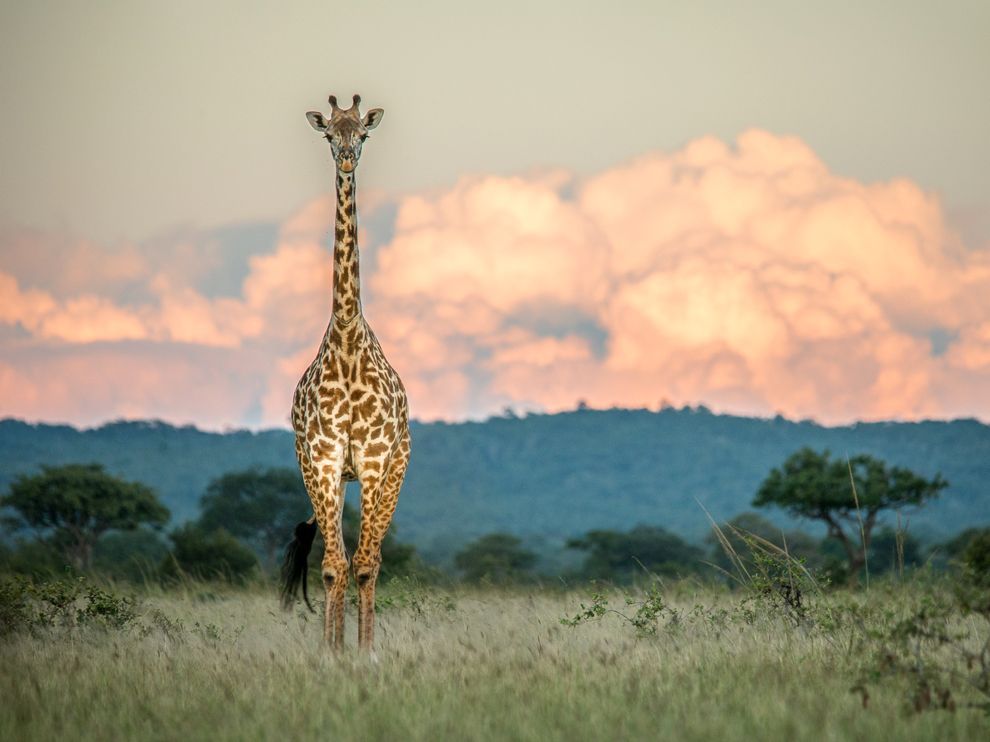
349	411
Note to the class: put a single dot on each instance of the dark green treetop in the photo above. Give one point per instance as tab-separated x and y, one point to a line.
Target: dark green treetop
260	506
846	495
78	503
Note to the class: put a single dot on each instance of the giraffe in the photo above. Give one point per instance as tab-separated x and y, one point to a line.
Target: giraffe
349	412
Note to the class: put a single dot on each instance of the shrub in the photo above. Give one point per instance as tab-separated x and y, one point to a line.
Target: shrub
644	549
497	557
207	555
129	555
61	603
976	558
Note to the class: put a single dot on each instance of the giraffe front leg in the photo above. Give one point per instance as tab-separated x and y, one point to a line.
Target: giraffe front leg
367	559
378	503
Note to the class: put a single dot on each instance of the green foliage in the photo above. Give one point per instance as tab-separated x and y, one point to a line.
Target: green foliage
15	608
777	580
956	545
408	593
542	474
132	556
973	583
812	485
26	605
497	557
39	559
78	503
892	550
620	557
207	555
650	610
847	496
940	660
746	526
173	629
259	506
976	558
262	507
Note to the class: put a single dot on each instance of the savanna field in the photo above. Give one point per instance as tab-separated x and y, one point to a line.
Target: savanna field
643	371
771	659
760	633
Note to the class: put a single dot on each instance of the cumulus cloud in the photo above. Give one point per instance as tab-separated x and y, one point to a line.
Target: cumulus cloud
747	277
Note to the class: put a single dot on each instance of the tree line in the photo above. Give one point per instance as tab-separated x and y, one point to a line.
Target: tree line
80	517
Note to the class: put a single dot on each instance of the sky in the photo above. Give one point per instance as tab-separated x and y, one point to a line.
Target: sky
782	209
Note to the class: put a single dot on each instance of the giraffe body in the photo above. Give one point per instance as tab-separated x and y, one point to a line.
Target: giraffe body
349	411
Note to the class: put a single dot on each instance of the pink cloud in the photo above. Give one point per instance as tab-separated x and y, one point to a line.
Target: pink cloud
748	277
82	319
92	383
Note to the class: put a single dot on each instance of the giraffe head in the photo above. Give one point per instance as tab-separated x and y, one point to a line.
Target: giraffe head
345	130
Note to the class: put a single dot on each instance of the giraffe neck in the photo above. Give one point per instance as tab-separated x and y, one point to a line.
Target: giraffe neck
346	278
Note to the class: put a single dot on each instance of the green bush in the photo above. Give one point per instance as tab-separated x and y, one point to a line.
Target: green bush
729	544
497	557
638	552
891	549
38	559
132	556
207	555
14	607
68	603
976	559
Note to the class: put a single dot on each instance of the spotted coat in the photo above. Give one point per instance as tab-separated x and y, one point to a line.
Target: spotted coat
349	412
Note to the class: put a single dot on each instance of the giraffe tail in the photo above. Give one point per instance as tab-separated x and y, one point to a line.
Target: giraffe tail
296	563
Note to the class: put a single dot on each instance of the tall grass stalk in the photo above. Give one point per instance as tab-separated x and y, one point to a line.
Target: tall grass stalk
859	517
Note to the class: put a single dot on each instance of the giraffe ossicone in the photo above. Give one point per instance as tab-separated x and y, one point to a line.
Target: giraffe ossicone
349	411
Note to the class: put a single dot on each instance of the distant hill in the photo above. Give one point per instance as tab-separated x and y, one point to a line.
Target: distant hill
546	477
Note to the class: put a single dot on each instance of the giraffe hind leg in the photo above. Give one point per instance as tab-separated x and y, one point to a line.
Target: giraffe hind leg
325	486
335	567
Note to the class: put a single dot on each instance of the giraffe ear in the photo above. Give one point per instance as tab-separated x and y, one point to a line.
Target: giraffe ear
373	117
317	121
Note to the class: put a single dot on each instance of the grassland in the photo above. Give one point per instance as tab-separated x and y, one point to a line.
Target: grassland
704	663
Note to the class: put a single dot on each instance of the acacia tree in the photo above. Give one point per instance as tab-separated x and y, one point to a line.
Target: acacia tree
845	496
78	503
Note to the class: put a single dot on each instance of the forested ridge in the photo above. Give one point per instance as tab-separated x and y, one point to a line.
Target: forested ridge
544	477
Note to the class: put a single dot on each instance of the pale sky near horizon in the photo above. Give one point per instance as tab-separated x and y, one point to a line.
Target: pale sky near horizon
773	207
125	119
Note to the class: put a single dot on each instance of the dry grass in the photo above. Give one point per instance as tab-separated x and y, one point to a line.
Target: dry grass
499	665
